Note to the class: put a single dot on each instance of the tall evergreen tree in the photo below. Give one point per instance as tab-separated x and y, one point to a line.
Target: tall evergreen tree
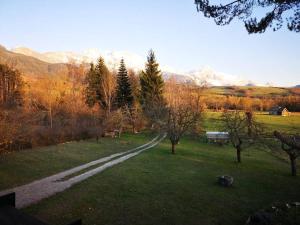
92	81
98	88
152	87
124	92
151	80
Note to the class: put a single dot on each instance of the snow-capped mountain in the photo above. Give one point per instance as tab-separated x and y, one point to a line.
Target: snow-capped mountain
211	77
136	62
112	58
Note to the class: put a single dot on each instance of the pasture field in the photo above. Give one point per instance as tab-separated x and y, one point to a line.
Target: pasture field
290	124
156	187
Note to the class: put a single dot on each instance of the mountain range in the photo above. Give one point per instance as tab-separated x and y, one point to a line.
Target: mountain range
30	66
34	63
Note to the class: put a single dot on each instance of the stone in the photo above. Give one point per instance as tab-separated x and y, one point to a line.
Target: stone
225	180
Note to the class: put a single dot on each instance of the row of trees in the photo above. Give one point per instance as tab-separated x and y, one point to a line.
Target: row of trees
170	107
52	110
123	92
76	105
220	102
245	131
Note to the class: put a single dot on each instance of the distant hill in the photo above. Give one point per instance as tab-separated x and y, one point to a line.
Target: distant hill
30	66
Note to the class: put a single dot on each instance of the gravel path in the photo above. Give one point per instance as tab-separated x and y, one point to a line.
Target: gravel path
46	187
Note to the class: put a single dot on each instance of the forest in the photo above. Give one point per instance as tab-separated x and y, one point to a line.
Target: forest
93	101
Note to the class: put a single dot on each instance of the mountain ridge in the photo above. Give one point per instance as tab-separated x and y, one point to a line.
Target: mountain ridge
50	63
29	65
136	62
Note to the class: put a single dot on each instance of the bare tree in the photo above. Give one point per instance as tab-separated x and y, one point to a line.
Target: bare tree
184	110
243	130
291	145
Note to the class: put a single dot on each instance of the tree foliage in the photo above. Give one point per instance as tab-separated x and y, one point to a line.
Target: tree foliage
11	86
275	13
124	92
152	87
100	86
151	80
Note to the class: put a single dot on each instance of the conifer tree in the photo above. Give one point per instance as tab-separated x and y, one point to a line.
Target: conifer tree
151	80
92	82
100	86
152	87
124	95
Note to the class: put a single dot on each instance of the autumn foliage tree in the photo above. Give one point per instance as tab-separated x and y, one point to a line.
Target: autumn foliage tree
11	86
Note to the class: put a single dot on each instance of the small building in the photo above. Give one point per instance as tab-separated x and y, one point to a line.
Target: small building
219	137
280	111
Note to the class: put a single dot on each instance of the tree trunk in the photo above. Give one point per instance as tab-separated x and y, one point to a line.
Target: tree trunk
133	128
50	115
238	154
173	148
293	166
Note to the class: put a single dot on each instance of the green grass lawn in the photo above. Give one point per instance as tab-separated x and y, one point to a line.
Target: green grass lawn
290	124
19	168
159	188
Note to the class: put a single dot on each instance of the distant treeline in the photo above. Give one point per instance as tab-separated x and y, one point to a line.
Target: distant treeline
292	103
45	110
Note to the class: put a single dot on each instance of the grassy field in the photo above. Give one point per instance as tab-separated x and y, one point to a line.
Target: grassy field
157	187
290	124
19	168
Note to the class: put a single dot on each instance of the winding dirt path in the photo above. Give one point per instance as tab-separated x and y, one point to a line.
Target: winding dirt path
37	190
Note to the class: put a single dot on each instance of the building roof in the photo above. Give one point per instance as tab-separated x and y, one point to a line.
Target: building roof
278	109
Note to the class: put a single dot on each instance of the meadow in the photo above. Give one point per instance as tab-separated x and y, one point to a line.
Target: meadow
291	124
157	187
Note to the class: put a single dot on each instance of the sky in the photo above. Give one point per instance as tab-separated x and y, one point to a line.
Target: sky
181	38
